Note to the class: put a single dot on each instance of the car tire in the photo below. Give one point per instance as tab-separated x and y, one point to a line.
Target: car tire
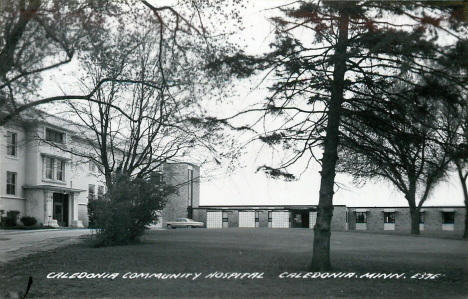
170	227
189	226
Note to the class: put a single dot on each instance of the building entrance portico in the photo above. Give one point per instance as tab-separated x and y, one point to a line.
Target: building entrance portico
58	207
60	210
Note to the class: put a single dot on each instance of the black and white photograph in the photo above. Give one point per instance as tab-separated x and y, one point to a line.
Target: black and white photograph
233	149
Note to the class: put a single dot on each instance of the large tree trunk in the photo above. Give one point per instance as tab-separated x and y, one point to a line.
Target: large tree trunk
414	211
321	250
465	194
465	234
414	221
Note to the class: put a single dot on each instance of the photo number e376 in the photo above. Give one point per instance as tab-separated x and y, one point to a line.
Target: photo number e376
426	276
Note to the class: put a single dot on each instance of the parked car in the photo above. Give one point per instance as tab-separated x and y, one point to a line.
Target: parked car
184	222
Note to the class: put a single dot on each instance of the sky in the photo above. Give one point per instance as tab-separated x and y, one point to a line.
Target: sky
246	186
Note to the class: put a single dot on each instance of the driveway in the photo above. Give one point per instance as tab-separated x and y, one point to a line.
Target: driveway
16	244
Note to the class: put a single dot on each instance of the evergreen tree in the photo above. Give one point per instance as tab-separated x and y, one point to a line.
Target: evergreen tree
330	55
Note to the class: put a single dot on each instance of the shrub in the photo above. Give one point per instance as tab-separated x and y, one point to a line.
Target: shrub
28	220
130	204
12	218
92	213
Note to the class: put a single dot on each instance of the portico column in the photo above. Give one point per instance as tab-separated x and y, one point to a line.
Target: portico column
74	211
48	209
74	203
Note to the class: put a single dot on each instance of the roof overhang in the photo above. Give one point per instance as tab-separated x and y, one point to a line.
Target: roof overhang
55	188
55	156
447	210
388	210
362	210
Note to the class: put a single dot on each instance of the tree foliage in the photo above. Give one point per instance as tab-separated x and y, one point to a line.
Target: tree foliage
331	58
123	214
38	36
457	62
137	90
148	98
401	139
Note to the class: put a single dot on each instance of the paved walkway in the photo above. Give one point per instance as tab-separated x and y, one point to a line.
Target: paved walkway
16	244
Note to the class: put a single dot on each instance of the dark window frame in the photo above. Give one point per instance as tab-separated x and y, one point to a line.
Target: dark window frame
60	170
49	168
92	167
91	194
12	144
11	183
389	217
422	217
100	191
362	219
448	217
54	136
54	169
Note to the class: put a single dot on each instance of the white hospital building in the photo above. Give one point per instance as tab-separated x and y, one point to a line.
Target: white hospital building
40	180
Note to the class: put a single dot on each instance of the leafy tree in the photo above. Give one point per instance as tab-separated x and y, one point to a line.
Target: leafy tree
460	159
129	206
38	36
146	117
402	139
459	155
330	54
144	84
457	61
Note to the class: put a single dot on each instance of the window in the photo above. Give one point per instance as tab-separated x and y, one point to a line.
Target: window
55	136
11	183
73	163
54	169
60	174
361	217
100	191
389	217
256	216
49	168
421	217
269	216
11	144
448	217
225	216
92	166
347	216
91	191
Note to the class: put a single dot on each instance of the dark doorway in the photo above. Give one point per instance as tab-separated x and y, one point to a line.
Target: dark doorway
189	212
300	218
60	209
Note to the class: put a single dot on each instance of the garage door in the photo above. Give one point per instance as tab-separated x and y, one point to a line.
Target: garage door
280	219
214	219
247	219
312	219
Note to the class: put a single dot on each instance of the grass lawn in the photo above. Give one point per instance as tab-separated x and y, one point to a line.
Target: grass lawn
268	251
